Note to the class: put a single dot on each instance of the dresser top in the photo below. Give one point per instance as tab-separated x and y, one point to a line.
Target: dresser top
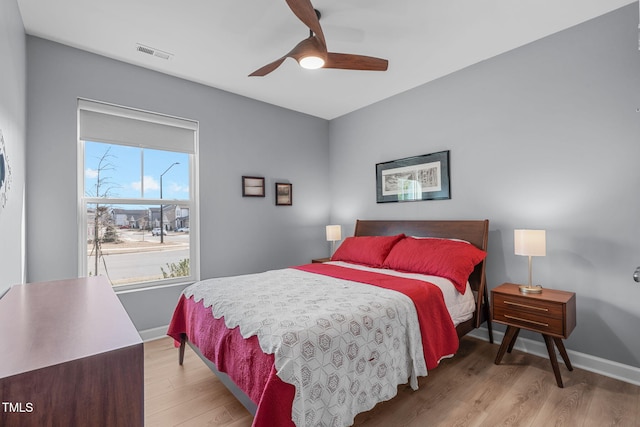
47	323
547	294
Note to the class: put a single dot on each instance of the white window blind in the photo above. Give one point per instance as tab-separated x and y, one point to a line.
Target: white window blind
120	125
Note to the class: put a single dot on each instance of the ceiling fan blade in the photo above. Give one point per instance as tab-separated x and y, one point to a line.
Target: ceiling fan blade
305	12
346	61
308	46
261	72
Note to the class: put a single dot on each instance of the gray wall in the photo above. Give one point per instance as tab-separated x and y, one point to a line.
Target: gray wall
545	136
238	136
13	126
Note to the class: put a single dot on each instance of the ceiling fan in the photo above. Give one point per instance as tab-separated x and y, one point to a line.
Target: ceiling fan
312	52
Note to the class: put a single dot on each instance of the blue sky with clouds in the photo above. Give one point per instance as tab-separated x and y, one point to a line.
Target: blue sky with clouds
123	169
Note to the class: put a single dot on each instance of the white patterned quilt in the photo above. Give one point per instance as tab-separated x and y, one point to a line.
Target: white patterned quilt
345	346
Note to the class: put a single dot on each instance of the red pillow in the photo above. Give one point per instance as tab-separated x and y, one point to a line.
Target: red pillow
451	259
367	250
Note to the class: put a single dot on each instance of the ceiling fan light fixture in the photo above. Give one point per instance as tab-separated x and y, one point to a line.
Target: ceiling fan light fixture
311	62
311	53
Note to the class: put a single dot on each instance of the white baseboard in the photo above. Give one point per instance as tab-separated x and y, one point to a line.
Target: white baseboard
154	333
584	361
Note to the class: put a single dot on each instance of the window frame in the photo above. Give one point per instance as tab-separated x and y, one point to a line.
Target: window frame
191	203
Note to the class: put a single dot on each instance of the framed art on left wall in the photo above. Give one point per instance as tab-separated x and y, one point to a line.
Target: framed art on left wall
252	186
5	173
284	196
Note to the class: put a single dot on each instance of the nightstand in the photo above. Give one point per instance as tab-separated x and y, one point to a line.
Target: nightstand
320	260
551	313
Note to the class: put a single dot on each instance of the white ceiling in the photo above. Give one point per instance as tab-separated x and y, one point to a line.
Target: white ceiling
219	42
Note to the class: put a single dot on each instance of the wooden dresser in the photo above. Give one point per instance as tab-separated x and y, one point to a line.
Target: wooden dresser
70	356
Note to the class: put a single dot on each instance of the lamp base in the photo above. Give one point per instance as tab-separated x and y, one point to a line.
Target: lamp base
525	289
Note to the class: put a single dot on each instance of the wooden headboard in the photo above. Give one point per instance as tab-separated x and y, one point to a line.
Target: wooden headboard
475	232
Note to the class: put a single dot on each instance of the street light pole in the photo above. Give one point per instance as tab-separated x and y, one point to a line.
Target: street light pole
161	214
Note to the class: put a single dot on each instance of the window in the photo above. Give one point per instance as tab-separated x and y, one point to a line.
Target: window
137	197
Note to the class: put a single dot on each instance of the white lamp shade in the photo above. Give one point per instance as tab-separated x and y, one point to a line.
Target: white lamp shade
334	233
530	242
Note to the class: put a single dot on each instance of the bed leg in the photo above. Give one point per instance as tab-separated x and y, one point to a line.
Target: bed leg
487	315
183	341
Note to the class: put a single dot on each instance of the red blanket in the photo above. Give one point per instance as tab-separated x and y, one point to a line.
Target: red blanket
242	359
254	372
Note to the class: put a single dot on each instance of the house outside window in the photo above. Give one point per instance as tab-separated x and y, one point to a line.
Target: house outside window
137	196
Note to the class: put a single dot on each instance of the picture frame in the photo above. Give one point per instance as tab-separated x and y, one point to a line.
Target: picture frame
424	177
253	186
284	194
5	173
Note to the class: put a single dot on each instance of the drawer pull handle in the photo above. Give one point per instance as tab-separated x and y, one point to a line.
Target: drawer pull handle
533	307
546	325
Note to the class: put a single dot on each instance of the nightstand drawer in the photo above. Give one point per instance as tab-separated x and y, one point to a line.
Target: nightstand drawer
529	305
538	322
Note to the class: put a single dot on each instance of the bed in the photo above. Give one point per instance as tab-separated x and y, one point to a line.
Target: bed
317	344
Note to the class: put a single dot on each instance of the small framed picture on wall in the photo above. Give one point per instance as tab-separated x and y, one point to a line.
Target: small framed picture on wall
284	196
252	186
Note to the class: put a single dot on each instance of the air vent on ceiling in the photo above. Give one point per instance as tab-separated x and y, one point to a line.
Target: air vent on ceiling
153	52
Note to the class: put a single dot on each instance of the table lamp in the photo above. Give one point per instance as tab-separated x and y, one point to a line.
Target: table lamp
530	243
334	233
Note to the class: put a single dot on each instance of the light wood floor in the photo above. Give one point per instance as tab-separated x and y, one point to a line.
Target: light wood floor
467	390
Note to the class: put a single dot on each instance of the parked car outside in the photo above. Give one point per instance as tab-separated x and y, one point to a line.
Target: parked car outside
183	230
156	232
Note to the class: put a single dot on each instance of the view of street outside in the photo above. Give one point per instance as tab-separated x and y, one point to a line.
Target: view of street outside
138	256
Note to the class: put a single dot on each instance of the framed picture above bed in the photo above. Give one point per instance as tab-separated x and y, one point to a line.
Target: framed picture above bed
411	179
284	196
